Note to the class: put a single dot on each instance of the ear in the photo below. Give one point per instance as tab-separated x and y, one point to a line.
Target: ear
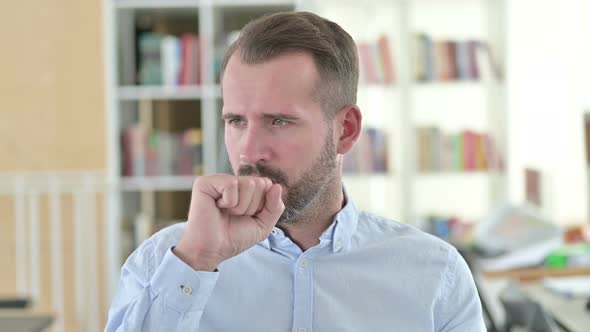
349	124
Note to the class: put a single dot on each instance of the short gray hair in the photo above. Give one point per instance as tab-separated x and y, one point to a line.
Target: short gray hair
333	50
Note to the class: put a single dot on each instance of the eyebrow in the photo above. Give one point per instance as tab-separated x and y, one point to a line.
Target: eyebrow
231	116
264	115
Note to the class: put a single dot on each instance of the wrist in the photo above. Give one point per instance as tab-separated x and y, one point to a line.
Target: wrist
196	262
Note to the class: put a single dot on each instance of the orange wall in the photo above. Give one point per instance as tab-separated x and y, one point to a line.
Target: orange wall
52	109
52	86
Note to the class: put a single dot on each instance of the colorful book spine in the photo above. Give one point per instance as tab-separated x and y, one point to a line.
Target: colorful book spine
370	154
467	150
157	153
447	60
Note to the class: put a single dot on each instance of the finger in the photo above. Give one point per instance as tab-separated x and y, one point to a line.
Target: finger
246	187
229	193
267	185
222	188
257	197
273	207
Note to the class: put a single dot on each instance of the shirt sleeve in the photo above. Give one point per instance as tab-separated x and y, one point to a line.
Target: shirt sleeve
159	294
458	307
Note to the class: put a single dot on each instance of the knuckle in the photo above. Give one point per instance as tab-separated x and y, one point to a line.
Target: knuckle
198	182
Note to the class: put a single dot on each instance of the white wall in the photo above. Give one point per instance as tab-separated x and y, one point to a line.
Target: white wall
549	88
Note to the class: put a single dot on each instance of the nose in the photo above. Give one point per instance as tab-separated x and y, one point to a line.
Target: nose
254	145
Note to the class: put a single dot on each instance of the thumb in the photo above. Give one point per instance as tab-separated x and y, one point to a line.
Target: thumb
273	207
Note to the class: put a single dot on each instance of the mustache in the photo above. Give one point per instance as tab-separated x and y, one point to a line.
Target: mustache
275	175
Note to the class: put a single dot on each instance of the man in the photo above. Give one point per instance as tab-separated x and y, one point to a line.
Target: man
281	247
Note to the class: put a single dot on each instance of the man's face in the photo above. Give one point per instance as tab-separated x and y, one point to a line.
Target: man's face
274	127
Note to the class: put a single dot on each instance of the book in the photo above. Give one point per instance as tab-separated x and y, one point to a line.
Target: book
378	150
451	62
190	71
368	71
429	58
472	46
459	153
150	67
532	185
445	60
386	59
424	154
419	58
469	152
170	49
462	63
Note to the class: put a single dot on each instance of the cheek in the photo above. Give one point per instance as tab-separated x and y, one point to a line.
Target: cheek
232	146
297	155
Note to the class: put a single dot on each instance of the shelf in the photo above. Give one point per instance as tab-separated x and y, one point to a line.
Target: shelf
442	174
156	4
187	92
257	3
458	84
158	183
377	86
361	176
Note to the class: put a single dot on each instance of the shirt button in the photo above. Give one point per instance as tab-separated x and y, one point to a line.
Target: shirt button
274	232
338	244
303	263
302	329
187	290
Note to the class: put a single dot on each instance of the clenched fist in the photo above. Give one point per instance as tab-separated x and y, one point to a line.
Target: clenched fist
228	214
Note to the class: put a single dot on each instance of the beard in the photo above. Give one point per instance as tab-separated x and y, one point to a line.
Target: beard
307	193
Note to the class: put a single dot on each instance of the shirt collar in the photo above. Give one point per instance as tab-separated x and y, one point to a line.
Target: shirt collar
339	233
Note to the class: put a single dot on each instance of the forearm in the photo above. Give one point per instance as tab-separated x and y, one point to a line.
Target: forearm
172	299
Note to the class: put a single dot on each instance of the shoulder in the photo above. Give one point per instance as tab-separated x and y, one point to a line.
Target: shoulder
404	242
412	250
376	229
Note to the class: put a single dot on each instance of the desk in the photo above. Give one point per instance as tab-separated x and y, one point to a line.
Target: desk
535	273
570	312
24	321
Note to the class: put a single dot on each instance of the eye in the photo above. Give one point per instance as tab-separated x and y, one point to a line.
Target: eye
279	122
236	122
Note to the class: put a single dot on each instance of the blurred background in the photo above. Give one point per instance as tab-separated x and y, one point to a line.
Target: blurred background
476	130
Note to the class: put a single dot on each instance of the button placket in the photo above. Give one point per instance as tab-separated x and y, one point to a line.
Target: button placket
303	263
303	299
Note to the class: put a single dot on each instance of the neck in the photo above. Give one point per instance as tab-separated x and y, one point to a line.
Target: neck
306	231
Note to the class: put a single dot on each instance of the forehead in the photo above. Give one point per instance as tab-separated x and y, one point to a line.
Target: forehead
286	81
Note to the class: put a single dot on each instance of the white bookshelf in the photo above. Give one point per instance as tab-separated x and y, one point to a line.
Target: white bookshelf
450	105
187	92
156	4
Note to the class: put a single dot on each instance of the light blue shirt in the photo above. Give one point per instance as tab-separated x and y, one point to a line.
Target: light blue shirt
366	274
